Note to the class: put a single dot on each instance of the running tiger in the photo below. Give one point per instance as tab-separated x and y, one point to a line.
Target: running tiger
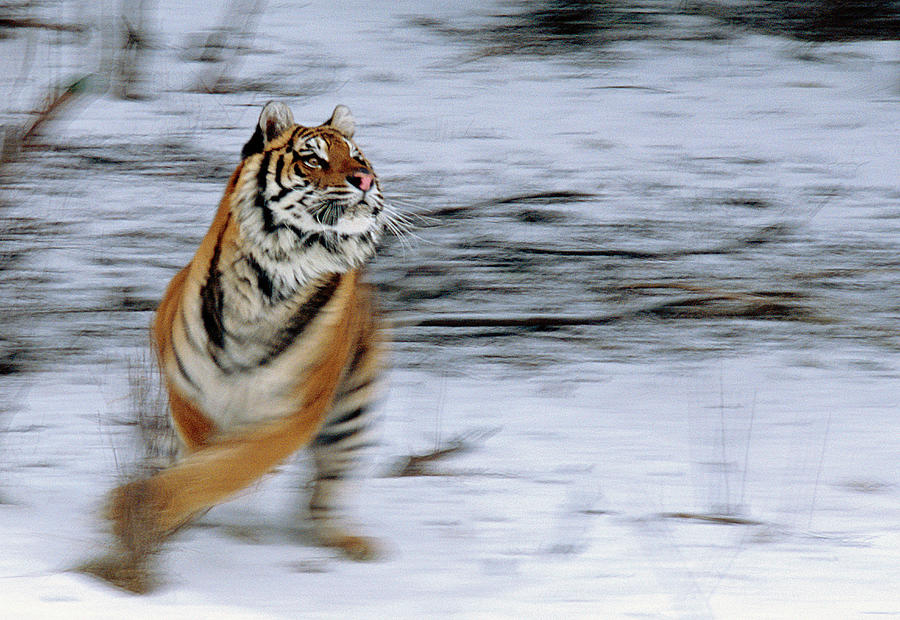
267	340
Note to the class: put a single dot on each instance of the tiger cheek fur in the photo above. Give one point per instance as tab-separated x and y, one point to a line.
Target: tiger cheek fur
267	340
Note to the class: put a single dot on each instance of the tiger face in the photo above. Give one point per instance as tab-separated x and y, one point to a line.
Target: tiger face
309	200
321	171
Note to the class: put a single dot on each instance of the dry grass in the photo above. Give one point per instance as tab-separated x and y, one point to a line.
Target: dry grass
127	564
157	444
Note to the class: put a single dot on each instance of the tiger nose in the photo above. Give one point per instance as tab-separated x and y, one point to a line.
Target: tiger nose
361	179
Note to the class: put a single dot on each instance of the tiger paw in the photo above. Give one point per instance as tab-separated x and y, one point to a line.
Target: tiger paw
122	572
357	548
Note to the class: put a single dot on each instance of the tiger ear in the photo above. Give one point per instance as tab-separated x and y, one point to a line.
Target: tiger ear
342	120
273	120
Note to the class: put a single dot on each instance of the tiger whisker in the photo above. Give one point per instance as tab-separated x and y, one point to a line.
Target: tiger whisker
412	218
400	227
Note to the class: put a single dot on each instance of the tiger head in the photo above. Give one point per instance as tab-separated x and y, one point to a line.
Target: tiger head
307	195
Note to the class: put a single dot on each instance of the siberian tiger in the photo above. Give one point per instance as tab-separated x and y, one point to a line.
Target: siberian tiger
267	339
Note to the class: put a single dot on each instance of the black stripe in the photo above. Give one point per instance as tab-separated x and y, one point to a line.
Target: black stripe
328	240
348	417
187	331
263	281
211	296
359	354
299	129
301	234
280	195
279	166
348	453
261	202
255	145
182	369
348	391
329	439
304	315
312	239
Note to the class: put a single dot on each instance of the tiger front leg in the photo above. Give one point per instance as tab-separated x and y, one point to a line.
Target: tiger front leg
334	457
330	530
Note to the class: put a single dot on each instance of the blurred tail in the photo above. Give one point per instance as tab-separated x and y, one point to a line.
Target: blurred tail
209	476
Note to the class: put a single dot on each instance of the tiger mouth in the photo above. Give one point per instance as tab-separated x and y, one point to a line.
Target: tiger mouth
328	212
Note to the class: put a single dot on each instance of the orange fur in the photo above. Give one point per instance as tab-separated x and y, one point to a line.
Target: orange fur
227	464
334	355
192	426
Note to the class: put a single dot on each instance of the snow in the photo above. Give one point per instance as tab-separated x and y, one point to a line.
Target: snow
604	465
561	512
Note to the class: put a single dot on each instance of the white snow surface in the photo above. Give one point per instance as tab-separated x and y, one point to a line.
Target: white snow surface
591	489
566	511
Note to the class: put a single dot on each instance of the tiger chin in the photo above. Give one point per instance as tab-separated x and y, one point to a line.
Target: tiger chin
267	341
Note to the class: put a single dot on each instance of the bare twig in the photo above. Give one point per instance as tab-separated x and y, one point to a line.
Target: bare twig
418	464
14	141
38	24
710	518
133	42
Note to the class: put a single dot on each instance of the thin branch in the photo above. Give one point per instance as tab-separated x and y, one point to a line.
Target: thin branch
418	464
34	23
14	142
711	518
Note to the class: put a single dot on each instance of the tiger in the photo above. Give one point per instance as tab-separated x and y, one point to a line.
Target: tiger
268	340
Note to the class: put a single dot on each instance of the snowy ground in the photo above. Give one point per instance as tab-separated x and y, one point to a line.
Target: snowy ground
708	463
579	506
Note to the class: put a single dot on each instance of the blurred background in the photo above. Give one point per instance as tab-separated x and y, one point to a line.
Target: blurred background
608	180
645	333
